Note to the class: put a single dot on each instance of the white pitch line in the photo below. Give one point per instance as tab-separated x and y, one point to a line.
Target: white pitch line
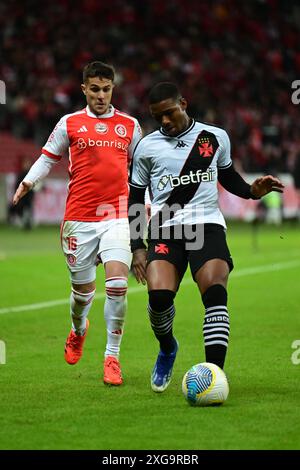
266	268
54	303
139	289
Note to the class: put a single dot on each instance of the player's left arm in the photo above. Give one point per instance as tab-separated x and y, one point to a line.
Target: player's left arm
265	184
233	182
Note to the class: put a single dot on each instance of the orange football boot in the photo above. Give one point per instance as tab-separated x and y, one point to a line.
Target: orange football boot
74	346
112	371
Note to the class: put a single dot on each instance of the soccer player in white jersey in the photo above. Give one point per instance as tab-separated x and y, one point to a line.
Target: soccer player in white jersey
100	141
181	163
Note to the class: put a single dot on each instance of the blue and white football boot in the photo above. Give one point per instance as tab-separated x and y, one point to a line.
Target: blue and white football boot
162	372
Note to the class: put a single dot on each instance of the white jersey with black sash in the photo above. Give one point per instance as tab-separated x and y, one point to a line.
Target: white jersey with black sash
182	173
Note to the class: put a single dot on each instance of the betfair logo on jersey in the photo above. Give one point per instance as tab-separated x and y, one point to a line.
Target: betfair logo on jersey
193	177
84	143
163	183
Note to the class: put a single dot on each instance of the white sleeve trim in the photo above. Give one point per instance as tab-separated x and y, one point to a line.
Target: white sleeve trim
225	166
139	186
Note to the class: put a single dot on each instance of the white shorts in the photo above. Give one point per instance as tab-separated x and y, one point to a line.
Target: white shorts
83	241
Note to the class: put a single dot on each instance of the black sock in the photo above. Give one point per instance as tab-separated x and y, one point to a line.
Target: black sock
216	324
161	313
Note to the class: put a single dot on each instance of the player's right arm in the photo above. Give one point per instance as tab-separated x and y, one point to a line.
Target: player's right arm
52	153
37	172
139	180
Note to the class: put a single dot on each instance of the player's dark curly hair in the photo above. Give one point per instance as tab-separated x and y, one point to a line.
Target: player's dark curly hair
98	69
163	91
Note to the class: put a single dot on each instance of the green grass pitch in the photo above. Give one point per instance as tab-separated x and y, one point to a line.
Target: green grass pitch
47	404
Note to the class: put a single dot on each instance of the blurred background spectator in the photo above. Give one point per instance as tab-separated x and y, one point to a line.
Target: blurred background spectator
295	171
22	214
235	62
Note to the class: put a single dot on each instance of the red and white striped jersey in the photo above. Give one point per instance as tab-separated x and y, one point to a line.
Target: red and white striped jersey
100	150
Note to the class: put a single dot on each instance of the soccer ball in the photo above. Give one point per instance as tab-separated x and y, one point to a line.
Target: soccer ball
205	384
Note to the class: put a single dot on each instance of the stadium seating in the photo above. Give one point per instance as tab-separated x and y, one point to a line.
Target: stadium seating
235	62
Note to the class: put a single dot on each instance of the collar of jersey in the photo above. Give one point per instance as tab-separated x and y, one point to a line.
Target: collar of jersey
110	113
179	135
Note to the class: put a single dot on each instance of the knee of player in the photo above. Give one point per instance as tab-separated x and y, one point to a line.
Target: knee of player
160	299
83	298
116	287
216	294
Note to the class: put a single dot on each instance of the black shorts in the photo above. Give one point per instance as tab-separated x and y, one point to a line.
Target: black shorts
177	252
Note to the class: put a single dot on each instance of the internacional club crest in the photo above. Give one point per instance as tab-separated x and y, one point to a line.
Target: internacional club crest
120	130
71	259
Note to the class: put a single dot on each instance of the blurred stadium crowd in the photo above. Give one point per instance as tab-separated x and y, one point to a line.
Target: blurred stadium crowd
234	60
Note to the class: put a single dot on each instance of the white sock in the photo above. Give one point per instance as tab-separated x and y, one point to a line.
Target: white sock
114	313
80	306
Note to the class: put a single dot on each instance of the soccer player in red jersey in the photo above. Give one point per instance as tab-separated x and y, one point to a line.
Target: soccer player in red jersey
100	141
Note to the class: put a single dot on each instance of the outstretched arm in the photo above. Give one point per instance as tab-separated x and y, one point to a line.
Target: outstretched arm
264	185
23	188
233	182
52	152
37	172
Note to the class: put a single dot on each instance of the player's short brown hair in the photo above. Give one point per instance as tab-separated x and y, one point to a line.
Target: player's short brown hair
98	69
